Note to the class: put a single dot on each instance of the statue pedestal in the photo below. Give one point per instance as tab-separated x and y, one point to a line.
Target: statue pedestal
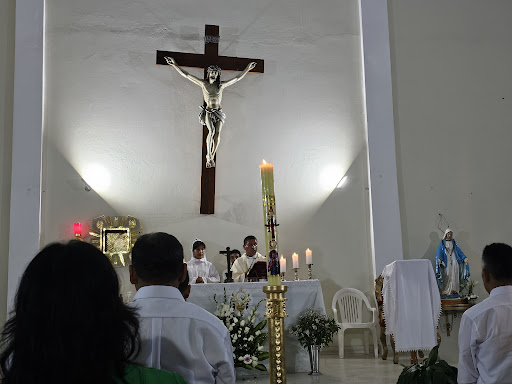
453	307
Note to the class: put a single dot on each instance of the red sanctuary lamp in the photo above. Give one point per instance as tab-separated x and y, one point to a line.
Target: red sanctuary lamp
77	229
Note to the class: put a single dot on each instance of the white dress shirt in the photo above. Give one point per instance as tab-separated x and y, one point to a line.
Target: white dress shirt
203	268
181	337
485	340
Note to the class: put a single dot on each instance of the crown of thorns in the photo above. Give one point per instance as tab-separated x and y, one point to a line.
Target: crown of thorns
213	68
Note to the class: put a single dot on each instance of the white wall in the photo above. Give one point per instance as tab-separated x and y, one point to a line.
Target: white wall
452	90
6	100
108	103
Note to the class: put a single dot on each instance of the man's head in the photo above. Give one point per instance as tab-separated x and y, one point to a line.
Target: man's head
198	249
157	259
496	266
250	245
235	254
213	73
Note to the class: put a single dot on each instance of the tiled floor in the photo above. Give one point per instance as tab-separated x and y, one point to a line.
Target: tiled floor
353	369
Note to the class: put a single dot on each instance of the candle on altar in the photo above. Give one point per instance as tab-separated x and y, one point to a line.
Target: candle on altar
295	259
282	264
309	256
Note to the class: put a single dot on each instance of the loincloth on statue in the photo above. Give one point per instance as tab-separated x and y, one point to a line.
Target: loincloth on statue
214	115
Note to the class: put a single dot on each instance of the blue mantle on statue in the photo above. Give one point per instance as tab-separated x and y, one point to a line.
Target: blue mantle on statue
301	295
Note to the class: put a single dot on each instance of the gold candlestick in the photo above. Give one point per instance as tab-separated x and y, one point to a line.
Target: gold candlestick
309	272
275	313
295	274
282	276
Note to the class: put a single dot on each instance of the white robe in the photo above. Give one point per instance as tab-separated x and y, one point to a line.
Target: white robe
203	268
243	264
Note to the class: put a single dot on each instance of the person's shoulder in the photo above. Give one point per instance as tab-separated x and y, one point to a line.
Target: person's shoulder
135	374
197	313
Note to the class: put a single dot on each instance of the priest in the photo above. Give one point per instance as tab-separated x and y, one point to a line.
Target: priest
243	265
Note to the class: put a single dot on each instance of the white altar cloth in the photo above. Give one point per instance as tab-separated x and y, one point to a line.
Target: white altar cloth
301	295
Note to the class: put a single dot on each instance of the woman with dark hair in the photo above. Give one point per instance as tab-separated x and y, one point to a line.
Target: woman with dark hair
69	324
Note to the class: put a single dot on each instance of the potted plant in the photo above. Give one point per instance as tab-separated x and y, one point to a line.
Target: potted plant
429	371
314	330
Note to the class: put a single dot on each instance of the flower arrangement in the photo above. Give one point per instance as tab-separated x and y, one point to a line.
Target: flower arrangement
470	287
247	336
313	327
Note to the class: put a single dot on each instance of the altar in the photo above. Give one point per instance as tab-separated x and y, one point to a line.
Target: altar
301	295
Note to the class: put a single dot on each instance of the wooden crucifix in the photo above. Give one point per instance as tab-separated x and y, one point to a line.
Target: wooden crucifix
209	58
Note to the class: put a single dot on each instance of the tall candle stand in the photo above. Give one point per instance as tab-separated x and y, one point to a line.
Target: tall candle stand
275	313
310	275
295	274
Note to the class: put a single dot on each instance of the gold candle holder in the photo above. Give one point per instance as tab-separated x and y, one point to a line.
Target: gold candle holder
295	274
282	276
310	274
275	313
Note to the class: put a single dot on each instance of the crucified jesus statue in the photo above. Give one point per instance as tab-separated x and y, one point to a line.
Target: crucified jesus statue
211	115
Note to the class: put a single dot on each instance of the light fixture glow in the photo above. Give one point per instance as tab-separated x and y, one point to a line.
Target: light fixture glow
97	176
342	182
329	177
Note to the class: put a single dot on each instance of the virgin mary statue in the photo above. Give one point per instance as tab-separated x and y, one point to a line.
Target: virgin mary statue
452	268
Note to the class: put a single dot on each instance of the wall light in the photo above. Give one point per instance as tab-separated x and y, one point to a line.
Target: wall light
97	177
342	182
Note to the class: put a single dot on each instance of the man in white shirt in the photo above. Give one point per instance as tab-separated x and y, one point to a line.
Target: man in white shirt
242	266
485	335
175	335
201	270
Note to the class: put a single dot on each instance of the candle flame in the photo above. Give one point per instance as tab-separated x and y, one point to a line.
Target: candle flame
264	162
308	250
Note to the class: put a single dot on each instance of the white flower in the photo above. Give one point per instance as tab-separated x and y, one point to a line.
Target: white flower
240	358
247	359
260	348
251	338
246	330
257	333
254	358
230	328
242	323
254	363
235	320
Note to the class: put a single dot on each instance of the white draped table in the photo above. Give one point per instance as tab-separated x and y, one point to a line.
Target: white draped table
301	295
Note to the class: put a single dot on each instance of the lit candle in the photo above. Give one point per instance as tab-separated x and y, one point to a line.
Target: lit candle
295	259
309	256
282	264
77	229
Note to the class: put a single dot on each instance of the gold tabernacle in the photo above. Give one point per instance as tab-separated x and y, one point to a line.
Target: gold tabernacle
275	313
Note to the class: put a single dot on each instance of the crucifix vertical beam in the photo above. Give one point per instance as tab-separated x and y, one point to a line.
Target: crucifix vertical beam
194	60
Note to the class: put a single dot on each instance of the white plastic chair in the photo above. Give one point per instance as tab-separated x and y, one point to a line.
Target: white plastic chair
350	302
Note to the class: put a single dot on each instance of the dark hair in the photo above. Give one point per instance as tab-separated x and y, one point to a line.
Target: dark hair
68	322
497	259
157	258
236	251
184	284
248	238
197	244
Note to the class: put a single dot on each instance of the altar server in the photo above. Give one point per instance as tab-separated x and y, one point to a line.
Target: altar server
242	266
201	270
176	335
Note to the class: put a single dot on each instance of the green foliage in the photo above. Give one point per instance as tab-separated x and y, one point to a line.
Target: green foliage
429	371
247	336
313	327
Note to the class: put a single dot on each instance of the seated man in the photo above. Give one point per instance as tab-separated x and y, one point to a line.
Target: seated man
235	254
242	266
485	334
201	270
175	335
